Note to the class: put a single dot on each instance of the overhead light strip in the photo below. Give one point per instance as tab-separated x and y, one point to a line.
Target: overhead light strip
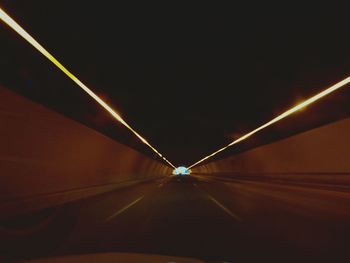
285	114
16	27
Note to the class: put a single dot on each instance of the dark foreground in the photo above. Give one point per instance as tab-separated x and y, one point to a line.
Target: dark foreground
201	218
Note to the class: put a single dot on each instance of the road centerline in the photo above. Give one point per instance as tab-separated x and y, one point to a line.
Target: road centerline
229	212
123	209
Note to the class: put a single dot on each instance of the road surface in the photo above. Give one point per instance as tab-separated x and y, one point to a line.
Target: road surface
197	217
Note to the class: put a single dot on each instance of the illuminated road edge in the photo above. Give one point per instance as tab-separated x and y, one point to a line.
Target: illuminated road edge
16	27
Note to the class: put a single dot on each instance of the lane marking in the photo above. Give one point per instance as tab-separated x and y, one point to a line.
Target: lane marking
123	209
195	185
160	185
229	212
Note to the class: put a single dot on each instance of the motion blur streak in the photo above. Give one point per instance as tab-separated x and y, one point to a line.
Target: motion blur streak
16	27
285	114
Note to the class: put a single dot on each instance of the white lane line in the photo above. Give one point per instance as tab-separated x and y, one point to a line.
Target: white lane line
123	209
160	185
195	185
236	217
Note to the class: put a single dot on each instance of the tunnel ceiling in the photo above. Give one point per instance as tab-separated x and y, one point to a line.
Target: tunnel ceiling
189	80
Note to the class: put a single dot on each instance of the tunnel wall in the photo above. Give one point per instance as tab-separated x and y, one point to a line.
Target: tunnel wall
320	155
44	155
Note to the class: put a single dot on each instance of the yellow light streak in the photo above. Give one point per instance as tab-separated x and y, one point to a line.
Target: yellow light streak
285	114
16	27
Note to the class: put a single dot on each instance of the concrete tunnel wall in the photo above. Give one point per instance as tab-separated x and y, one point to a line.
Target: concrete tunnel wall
44	155
320	155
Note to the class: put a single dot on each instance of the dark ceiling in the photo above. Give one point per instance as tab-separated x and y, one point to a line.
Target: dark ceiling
188	78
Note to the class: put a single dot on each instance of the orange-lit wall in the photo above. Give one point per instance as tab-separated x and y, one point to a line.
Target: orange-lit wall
322	153
44	153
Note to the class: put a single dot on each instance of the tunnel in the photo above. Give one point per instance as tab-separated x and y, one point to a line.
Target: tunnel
199	137
69	190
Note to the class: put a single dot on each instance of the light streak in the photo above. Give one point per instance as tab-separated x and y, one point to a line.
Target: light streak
16	27
285	114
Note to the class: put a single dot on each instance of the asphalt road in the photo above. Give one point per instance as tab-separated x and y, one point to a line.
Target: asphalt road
197	217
